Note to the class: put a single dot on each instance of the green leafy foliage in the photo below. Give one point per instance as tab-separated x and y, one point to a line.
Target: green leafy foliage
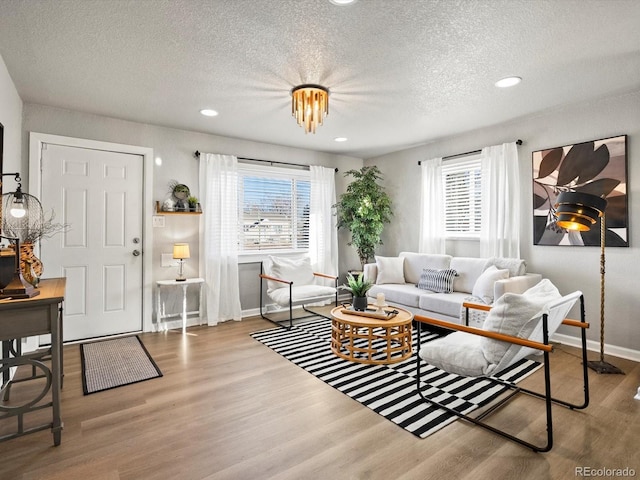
363	210
357	285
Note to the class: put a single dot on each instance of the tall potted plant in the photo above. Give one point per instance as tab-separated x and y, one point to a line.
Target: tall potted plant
363	210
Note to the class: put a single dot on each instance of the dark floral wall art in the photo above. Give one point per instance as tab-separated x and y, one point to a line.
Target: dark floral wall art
597	167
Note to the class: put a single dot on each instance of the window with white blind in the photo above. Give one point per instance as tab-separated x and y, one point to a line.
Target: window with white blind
462	181
273	208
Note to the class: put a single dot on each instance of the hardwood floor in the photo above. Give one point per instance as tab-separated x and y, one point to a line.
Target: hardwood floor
228	407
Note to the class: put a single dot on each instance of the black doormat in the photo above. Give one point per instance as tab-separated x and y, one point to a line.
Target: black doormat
113	363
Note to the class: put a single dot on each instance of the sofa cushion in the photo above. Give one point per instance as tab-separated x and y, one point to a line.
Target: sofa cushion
296	270
414	263
516	266
469	269
443	303
402	294
390	270
439	281
483	287
516	315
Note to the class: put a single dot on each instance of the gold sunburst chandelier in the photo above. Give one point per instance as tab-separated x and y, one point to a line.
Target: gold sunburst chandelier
309	104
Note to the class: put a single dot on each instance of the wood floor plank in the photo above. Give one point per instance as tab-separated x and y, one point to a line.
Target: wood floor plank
228	407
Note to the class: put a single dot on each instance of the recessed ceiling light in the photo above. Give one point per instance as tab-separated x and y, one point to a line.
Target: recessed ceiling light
340	139
207	112
508	82
342	3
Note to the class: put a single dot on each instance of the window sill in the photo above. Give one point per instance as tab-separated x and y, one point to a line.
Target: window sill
255	257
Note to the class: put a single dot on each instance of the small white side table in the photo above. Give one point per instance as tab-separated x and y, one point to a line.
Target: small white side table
185	284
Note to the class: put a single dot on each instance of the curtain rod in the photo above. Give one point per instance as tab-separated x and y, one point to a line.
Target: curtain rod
449	157
197	154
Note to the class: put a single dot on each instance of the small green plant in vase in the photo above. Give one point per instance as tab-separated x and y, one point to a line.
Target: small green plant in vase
193	203
358	287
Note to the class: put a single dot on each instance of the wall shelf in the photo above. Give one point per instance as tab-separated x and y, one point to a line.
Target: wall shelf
159	211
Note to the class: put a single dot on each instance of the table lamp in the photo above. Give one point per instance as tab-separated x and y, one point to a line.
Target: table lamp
180	253
579	212
22	214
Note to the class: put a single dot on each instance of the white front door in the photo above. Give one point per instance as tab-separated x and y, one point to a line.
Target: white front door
99	194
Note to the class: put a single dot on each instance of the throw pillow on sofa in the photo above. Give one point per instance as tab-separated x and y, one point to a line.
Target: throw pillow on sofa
439	281
516	266
390	270
483	287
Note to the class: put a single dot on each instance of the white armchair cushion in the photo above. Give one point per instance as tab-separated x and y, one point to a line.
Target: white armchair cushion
390	270
303	293
483	287
296	270
458	352
516	315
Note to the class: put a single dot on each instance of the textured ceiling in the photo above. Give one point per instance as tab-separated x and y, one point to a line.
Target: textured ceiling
400	72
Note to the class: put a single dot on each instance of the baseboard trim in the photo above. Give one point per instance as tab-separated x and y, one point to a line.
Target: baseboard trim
594	346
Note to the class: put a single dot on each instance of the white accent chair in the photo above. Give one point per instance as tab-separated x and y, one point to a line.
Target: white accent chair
292	282
517	326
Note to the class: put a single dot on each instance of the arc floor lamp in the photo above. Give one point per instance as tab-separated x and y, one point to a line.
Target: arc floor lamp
579	211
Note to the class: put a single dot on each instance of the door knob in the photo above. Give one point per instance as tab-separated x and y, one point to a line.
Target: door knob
136	253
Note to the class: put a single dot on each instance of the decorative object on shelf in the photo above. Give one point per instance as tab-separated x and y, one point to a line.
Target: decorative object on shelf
579	212
358	287
168	205
193	203
309	105
160	210
181	253
363	210
598	168
179	190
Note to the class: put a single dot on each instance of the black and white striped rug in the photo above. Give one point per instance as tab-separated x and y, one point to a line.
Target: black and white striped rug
389	390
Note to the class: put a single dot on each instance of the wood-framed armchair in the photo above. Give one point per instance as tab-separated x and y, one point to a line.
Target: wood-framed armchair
485	352
292	282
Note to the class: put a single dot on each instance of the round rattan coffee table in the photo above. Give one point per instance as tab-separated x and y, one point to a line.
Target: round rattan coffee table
371	340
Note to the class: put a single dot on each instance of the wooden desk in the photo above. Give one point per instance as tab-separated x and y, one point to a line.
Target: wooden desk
19	319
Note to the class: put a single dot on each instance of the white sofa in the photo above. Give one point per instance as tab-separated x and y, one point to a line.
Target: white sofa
397	278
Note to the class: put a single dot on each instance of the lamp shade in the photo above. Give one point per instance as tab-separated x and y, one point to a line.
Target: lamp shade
578	211
181	251
23	217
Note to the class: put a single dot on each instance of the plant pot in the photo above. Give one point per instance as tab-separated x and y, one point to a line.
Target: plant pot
360	303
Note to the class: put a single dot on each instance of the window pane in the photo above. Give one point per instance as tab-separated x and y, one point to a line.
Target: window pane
273	212
462	184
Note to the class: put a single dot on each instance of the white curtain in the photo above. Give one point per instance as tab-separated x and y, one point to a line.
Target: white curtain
500	231
323	233
219	237
432	230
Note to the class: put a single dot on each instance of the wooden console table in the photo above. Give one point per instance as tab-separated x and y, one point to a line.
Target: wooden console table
29	317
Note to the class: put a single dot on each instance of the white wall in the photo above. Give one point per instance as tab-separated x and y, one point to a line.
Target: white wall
176	149
570	268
